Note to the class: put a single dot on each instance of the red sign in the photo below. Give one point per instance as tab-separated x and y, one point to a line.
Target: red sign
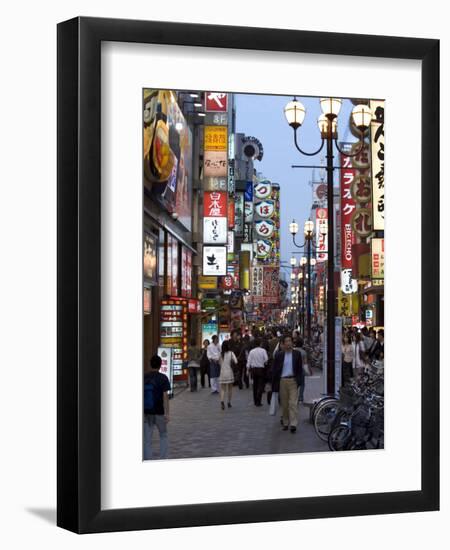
216	102
174	289
214	204
231	213
186	272
348	207
194	306
321	220
227	282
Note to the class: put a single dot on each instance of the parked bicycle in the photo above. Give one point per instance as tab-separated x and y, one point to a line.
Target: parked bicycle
332	412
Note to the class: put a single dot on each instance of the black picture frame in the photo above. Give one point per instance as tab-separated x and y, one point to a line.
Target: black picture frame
79	280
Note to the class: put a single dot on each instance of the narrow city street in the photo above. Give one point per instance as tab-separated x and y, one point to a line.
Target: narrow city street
199	428
250	253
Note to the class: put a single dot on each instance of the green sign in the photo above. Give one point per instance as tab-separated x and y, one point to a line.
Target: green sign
210	304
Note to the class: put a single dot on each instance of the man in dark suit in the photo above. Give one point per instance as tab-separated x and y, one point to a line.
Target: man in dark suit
287	376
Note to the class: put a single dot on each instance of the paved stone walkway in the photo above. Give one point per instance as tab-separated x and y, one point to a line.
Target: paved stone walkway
199	428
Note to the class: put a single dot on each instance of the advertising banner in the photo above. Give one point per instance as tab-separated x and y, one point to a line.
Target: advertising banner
168	153
239	214
147	301
215	260
377	253
215	138
207	283
263	189
173	331
214	204
248	212
231	213
319	193
267	221
150	273
174	288
321	239
216	164
166	364
263	249
348	206
377	154
265	208
257	281
230	242
216	102
265	228
271	290
248	193
348	284
209	330
215	230
186	272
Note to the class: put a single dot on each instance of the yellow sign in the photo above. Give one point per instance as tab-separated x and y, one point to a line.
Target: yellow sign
216	138
348	304
207	283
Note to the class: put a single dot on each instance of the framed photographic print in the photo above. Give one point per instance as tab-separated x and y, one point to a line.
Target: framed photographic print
234	275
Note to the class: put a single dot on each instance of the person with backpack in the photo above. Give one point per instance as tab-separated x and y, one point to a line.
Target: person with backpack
156	408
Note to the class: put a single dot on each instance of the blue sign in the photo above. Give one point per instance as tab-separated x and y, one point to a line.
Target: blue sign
248	194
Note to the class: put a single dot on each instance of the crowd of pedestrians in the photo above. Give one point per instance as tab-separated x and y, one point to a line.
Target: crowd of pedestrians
274	362
359	350
268	361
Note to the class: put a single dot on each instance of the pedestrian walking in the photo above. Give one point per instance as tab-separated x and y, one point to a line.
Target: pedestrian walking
213	353
227	361
287	376
236	348
358	354
298	345
242	360
256	362
194	355
347	359
273	343
377	351
204	364
156	408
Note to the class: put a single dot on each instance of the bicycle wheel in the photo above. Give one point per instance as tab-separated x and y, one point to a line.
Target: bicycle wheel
317	404
325	417
339	438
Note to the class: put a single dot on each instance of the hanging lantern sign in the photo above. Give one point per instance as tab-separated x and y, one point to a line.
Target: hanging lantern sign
362	222
263	248
361	189
263	189
265	228
265	209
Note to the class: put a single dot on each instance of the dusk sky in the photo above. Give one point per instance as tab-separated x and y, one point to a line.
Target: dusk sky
262	116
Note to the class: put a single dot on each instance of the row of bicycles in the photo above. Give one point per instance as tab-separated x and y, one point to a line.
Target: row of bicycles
354	419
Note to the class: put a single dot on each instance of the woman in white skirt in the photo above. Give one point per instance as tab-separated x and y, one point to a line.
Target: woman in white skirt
226	379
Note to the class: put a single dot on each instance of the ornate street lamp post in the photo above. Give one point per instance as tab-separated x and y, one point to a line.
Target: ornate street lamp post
295	114
307	262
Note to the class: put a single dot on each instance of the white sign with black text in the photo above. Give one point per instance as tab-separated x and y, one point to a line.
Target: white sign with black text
215	260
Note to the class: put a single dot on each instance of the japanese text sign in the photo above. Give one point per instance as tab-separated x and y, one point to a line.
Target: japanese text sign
216	101
215	204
